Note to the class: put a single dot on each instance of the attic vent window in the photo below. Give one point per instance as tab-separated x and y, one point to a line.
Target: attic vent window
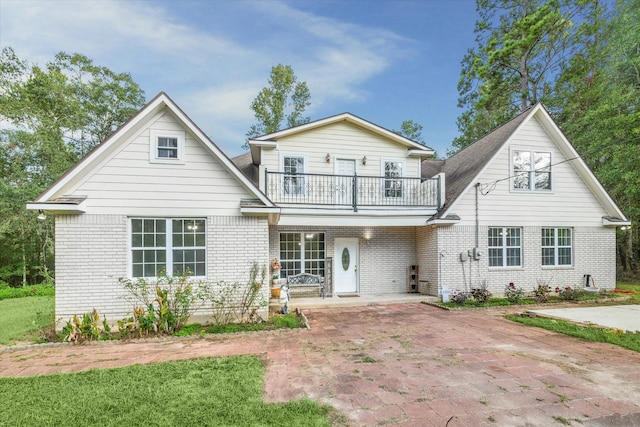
166	147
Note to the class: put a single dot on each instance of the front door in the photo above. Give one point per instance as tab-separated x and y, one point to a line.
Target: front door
345	265
345	170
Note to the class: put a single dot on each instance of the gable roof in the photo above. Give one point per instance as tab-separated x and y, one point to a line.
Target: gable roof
463	168
46	200
269	139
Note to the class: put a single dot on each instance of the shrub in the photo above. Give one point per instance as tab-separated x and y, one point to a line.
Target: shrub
458	297
512	294
163	307
568	293
481	293
88	329
238	302
27	291
542	291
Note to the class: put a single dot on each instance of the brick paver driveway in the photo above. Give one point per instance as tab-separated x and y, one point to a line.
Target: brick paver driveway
408	365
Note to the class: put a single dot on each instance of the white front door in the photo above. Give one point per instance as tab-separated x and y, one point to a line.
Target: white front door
345	266
344	184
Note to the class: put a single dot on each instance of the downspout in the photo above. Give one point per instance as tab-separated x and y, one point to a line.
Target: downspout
477	215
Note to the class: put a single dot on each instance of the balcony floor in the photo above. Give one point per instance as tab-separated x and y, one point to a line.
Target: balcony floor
351	301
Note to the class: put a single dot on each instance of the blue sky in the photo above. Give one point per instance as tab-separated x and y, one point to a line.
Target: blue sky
385	61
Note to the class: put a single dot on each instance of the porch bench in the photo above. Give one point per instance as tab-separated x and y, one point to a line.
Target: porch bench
303	282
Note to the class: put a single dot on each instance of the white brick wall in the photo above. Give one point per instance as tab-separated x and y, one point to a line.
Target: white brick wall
593	252
383	261
92	253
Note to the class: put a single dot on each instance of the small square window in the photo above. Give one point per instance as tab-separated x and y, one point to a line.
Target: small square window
166	147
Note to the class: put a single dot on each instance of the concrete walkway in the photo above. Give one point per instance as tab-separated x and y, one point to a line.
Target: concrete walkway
623	317
404	364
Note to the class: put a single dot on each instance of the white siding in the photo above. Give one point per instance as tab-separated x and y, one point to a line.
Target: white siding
570	203
128	183
341	140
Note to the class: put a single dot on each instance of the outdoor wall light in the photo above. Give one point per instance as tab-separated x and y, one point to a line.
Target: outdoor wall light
364	160
41	215
328	158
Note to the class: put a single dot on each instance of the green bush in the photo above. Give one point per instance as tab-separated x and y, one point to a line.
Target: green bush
542	291
568	293
27	291
513	294
89	328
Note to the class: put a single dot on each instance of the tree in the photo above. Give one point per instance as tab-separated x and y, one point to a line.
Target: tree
597	105
411	130
284	98
49	118
522	45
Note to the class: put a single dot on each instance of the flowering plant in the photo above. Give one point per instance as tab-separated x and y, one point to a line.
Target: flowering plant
275	265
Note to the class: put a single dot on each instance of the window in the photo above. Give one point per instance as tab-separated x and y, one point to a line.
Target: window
531	170
392	187
505	247
556	246
302	253
166	147
293	184
152	251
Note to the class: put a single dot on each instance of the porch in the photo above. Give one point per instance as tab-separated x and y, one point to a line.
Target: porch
351	301
353	191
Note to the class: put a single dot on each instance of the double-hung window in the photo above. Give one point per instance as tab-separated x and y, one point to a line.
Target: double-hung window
531	170
302	253
166	147
505	247
293	184
392	179
171	245
557	246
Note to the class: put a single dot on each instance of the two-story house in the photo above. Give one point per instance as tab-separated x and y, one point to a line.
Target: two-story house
340	197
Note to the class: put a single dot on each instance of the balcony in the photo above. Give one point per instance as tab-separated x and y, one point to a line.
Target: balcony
339	191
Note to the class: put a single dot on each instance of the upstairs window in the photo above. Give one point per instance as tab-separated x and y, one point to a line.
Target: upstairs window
293	184
392	179
166	147
556	246
531	170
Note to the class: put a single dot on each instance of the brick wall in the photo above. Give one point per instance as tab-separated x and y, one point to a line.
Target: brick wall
593	253
92	253
385	253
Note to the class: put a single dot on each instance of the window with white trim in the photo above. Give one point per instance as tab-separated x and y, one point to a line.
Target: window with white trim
293	184
392	187
505	247
172	245
302	253
557	246
166	147
531	170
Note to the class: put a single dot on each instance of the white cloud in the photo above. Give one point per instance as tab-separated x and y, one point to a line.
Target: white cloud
208	62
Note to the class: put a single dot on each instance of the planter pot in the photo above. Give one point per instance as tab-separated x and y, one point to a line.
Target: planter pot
275	292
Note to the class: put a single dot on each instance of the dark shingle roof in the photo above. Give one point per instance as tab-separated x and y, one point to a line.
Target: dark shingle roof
461	168
246	166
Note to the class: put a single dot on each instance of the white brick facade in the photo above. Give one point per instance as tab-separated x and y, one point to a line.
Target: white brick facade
92	253
593	253
385	253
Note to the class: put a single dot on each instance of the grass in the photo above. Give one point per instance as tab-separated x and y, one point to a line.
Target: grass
212	391
27	291
22	318
630	340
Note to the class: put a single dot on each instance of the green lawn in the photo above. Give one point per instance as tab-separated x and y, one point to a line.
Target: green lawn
20	318
214	392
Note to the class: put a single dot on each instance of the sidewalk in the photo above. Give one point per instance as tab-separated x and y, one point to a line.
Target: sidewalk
623	317
404	364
